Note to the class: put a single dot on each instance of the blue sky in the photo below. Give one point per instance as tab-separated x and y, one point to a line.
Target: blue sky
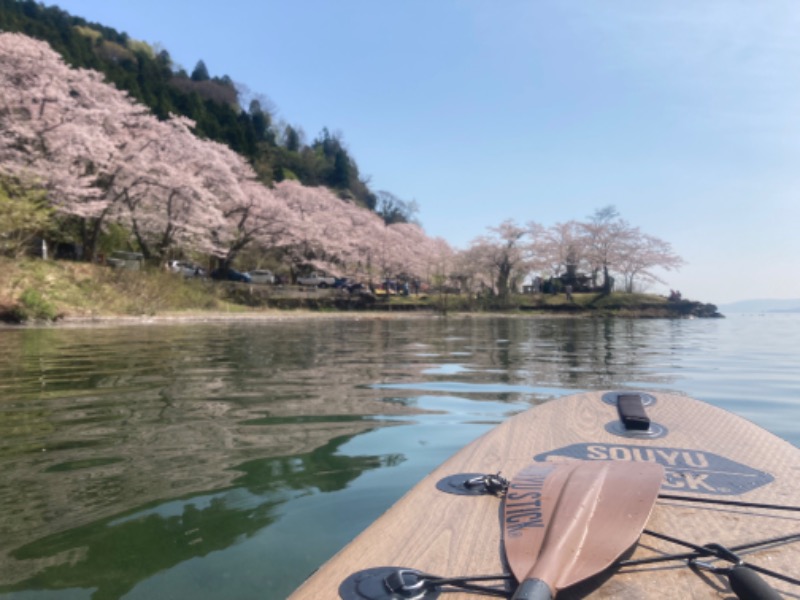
684	114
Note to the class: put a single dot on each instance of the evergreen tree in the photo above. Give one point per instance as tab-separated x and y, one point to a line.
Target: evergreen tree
340	177
260	121
292	139
200	72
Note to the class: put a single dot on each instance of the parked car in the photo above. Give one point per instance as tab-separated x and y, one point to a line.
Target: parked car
262	276
231	275
344	283
355	286
125	260
317	280
186	269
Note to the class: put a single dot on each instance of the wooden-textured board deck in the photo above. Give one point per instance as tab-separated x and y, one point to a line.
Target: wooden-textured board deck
707	453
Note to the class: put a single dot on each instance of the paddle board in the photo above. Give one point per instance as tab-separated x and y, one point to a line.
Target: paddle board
447	527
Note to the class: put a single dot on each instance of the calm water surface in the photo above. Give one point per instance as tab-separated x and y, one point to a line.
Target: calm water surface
217	461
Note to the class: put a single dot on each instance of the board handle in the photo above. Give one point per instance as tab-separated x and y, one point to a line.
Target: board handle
533	589
748	585
632	413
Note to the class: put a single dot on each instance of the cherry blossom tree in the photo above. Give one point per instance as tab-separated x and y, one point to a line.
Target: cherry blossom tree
441	262
411	253
605	235
60	126
168	188
257	218
336	235
314	239
469	269
102	158
364	235
561	248
98	154
613	245
504	255
641	254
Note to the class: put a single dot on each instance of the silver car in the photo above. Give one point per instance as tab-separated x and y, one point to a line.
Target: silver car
262	276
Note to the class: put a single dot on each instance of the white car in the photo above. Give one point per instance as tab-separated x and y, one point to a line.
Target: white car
317	279
262	276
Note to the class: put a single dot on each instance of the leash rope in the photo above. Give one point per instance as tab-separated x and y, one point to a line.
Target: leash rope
717	551
738	503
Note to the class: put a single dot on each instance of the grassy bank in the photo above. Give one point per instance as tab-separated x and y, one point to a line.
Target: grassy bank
595	304
35	290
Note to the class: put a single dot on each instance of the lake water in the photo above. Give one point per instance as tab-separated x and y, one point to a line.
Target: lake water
229	460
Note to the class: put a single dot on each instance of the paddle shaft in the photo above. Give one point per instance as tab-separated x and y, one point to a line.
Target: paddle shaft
533	589
747	585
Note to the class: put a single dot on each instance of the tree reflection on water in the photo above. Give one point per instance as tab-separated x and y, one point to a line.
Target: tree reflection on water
176	456
114	554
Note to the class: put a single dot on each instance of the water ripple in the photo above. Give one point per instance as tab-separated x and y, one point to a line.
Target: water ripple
215	460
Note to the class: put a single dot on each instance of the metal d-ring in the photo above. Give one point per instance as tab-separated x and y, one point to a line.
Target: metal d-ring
721	552
395	583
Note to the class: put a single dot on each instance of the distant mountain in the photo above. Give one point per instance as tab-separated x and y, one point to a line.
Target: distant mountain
761	306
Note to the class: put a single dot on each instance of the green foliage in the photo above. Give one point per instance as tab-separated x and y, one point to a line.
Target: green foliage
45	290
115	237
394	210
288	174
32	305
113	52
24	215
90	33
618	300
139	47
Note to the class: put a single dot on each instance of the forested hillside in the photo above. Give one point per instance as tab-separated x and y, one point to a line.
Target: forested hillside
276	151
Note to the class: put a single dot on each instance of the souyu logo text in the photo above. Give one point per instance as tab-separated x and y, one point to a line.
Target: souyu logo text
687	470
683	467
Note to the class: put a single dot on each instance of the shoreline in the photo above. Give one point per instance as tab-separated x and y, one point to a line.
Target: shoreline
178	318
35	293
279	315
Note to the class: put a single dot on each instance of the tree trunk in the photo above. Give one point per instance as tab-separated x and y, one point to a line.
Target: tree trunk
503	275
90	234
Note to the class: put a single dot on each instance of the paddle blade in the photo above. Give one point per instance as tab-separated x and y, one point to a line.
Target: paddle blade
565	522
